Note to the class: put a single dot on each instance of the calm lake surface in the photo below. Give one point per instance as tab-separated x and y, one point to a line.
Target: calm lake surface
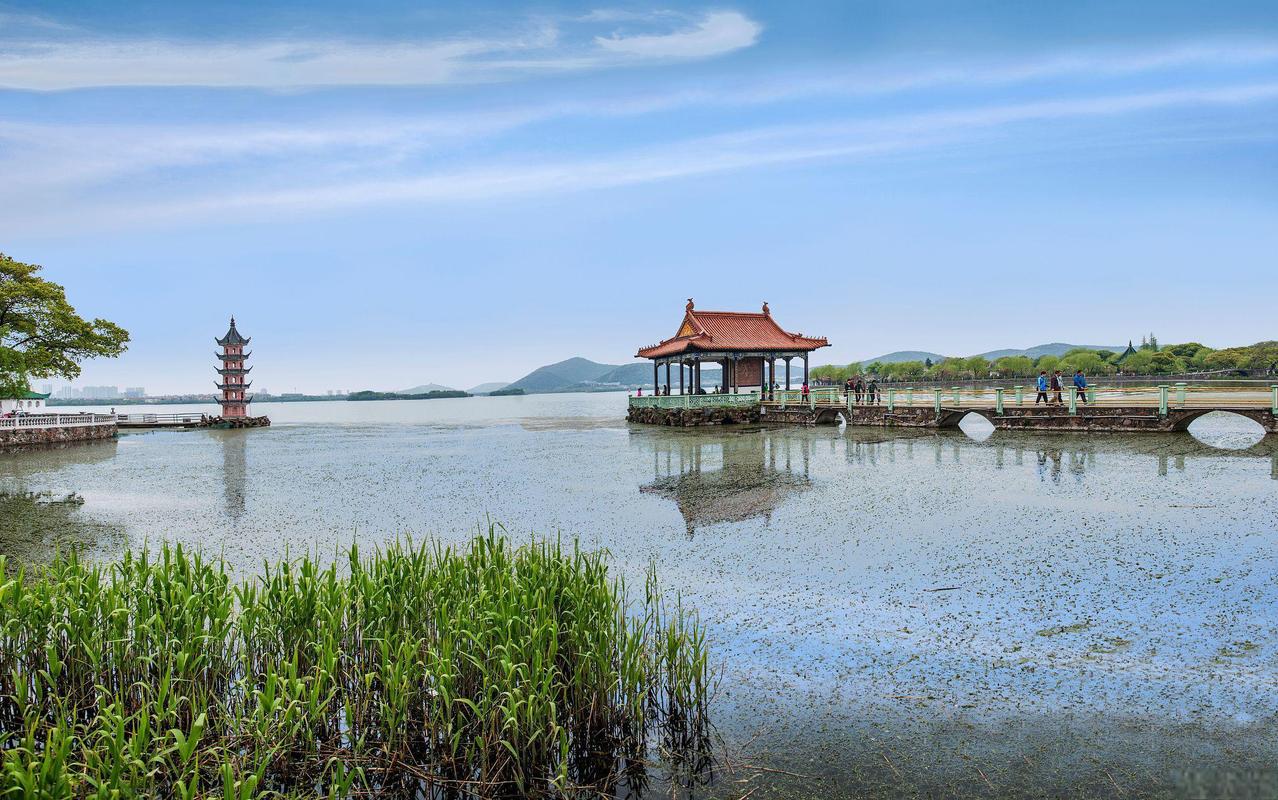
895	612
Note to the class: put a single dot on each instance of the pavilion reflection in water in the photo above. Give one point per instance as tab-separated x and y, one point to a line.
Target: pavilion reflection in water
731	477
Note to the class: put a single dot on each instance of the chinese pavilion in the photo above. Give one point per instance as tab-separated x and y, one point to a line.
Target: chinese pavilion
746	345
234	402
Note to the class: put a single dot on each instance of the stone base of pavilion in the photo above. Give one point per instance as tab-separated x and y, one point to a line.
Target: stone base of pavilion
695	417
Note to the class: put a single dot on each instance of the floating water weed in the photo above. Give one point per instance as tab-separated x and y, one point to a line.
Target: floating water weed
417	671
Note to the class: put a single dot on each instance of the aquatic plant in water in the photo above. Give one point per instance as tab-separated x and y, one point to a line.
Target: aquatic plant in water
416	671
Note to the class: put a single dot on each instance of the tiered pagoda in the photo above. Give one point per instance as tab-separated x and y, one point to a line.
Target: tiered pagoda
234	385
746	345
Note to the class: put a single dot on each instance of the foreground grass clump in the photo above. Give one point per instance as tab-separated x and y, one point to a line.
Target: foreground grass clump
418	671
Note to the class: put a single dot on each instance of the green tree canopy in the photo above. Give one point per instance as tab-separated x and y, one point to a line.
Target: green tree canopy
1015	366
41	335
1089	362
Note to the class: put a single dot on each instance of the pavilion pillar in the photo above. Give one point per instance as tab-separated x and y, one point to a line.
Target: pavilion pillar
696	376
656	380
805	367
667	376
787	373
772	375
681	377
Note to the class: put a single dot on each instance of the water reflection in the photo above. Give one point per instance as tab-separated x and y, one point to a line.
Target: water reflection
717	476
35	523
234	470
729	478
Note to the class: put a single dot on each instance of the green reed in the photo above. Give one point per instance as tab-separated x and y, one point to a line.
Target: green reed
415	671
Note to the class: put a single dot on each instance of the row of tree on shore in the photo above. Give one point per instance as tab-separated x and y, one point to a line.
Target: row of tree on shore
1149	359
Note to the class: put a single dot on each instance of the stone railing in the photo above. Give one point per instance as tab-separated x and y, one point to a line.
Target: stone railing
56	421
694	400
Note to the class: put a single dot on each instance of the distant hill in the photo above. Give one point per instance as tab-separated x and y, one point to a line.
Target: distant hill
583	375
485	388
1053	349
904	355
426	388
561	376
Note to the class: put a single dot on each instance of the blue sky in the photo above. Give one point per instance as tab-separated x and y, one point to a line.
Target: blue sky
388	194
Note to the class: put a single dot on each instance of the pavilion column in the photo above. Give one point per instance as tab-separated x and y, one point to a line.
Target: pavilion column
772	374
681	377
667	376
696	376
787	373
805	367
656	379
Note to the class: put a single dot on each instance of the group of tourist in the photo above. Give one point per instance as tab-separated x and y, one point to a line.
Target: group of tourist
862	391
1056	384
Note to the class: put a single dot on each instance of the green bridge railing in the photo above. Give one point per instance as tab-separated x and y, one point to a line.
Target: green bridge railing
1162	397
695	400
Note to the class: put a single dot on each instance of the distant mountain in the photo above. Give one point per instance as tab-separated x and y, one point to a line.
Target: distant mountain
1053	349
632	375
905	355
425	388
562	376
583	375
485	388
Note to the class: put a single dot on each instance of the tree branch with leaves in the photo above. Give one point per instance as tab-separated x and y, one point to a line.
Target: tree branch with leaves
41	335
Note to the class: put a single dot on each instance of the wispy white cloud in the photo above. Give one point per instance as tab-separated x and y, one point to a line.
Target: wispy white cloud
299	187
717	33
72	63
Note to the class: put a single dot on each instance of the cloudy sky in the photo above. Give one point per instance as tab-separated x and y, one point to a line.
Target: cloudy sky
391	193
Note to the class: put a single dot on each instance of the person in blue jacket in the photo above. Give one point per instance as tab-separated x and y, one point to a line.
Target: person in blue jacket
1042	389
1080	384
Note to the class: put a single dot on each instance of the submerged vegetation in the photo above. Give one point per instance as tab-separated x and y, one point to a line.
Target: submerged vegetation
416	671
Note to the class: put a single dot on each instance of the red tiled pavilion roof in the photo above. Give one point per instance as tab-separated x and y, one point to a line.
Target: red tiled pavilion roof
730	330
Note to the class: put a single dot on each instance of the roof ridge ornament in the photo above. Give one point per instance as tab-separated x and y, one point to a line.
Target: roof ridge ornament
766	312
690	305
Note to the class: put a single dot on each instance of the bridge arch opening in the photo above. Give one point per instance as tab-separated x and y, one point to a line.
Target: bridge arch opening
1226	430
976	426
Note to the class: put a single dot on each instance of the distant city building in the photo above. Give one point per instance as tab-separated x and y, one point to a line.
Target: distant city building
46	388
135	392
234	399
100	392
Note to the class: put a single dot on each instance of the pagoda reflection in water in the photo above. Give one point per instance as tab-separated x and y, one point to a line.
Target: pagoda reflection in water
730	477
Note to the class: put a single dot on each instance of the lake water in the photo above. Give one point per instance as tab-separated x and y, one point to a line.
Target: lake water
895	612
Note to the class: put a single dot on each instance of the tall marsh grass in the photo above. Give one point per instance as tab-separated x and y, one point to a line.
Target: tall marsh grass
415	671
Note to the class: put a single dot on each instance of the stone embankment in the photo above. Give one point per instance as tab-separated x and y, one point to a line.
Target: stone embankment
692	417
55	434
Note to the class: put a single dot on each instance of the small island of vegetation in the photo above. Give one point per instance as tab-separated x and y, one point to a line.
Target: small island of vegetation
509	391
437	395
